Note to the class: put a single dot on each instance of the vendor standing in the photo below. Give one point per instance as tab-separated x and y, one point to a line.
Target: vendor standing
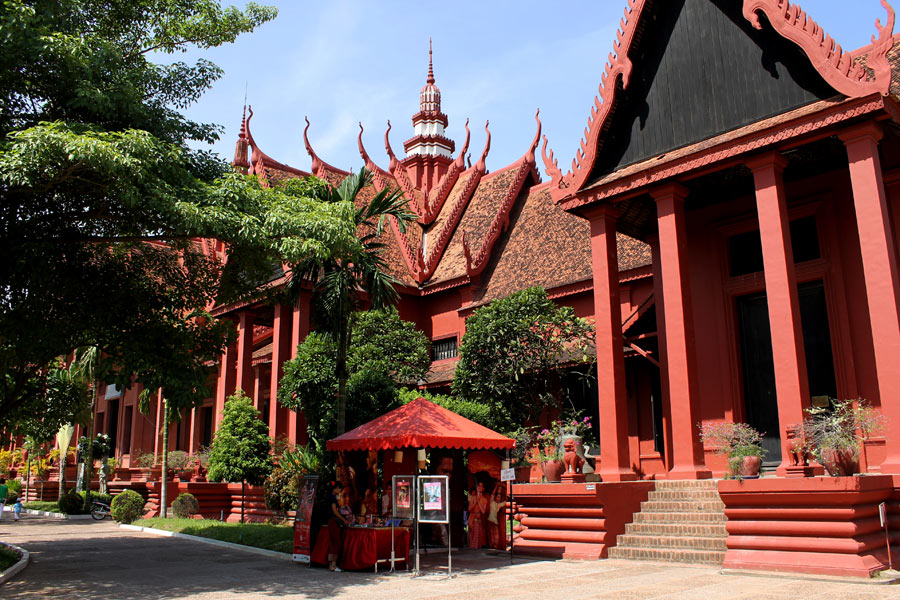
339	517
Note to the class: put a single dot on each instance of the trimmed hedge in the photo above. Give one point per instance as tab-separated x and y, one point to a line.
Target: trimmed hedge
185	506
127	507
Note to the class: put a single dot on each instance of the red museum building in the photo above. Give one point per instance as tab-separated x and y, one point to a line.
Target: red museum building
727	222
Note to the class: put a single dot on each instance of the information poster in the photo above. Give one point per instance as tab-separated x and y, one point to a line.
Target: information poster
403	490
434	499
303	519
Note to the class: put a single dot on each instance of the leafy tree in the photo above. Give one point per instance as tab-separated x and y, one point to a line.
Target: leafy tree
470	409
385	352
353	273
240	448
510	355
104	201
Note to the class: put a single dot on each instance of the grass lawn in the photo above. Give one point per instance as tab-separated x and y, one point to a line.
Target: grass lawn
259	535
7	558
45	506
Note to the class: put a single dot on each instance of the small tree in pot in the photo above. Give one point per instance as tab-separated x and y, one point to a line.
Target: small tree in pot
835	433
740	443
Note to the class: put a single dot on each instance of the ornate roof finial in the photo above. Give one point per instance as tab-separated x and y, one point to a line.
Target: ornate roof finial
241	149
430	67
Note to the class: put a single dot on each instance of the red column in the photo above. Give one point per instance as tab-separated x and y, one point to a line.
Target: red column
281	349
225	383
681	361
615	464
879	261
299	330
245	352
663	358
791	379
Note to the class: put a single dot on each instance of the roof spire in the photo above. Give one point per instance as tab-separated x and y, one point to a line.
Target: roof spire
430	66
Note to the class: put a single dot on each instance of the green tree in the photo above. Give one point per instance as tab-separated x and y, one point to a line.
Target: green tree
385	352
510	355
355	273
104	202
240	448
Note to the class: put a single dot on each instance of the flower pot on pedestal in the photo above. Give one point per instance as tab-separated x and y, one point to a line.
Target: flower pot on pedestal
840	463
553	470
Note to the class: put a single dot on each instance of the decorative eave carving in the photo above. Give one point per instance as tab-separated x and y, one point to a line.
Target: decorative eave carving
380	177
842	71
618	65
258	158
319	166
435	200
501	219
416	198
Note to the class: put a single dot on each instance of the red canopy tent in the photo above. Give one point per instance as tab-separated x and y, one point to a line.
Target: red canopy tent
420	424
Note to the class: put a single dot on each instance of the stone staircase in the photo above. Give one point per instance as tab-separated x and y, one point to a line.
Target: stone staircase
683	521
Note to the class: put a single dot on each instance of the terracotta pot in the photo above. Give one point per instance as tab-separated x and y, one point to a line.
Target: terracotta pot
553	469
523	474
840	463
750	467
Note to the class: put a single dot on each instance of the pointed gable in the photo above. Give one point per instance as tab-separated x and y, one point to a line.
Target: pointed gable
699	69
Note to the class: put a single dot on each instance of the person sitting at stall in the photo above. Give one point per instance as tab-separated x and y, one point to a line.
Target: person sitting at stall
495	539
339	516
478	507
370	503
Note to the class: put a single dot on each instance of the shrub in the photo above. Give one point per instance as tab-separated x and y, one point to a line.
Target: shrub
143	460
185	506
14	486
178	460
71	503
282	490
127	507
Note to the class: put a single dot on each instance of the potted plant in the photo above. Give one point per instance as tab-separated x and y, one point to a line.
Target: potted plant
179	463
521	454
144	461
740	443
549	452
836	431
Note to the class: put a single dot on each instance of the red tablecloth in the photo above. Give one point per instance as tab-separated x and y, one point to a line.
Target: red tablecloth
362	546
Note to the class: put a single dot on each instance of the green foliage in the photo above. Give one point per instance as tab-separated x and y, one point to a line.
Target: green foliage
178	460
282	489
352	273
143	460
185	506
8	557
474	411
127	507
71	503
733	440
511	351
279	538
14	486
100	182
385	351
240	449
842	426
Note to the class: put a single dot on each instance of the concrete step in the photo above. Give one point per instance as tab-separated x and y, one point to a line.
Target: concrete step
679	517
683	506
676	495
677	529
678	541
703	557
682	484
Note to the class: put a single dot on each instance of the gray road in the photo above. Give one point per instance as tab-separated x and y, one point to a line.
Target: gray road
84	559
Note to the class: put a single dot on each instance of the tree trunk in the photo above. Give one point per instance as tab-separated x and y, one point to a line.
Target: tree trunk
27	474
89	458
164	486
62	471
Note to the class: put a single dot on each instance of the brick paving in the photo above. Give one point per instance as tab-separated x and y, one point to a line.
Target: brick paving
84	559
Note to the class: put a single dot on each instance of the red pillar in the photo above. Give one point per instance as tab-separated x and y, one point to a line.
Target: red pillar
791	378
281	349
681	361
615	464
225	383
299	330
880	270
245	352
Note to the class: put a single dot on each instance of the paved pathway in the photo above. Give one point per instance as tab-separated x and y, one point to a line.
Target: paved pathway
85	559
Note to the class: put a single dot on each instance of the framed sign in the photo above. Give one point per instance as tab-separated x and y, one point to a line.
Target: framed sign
303	519
434	499
403	489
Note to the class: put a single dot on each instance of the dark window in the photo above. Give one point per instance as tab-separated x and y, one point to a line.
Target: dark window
443	349
126	429
745	249
206	417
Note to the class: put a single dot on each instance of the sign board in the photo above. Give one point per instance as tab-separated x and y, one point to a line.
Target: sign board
507	474
882	513
403	490
590	487
434	499
303	519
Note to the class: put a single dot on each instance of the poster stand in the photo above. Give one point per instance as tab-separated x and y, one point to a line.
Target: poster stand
424	499
403	490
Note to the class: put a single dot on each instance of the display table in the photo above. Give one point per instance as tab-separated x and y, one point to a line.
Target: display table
364	547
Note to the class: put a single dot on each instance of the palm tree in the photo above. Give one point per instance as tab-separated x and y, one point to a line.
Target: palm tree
353	273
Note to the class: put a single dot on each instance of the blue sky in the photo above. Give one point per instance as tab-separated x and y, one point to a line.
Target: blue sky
345	61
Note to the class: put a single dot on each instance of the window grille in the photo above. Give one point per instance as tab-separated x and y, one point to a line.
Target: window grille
443	349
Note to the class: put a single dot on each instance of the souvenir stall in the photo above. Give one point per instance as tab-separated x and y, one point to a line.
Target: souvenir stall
416	439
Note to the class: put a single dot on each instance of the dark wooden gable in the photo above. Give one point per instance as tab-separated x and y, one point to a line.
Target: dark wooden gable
700	69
